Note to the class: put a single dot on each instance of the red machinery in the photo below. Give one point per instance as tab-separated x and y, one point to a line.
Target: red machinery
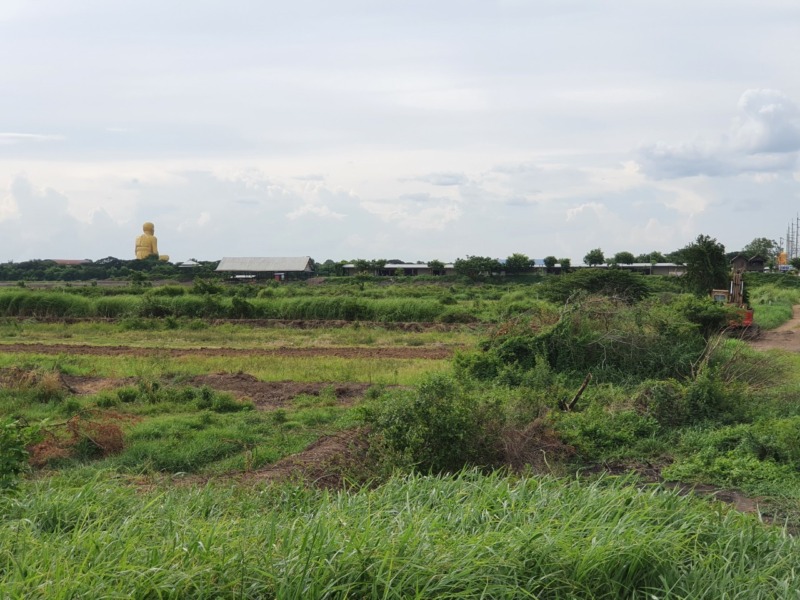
734	296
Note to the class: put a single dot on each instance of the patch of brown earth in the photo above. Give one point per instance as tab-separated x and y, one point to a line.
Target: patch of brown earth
786	337
325	463
275	394
437	353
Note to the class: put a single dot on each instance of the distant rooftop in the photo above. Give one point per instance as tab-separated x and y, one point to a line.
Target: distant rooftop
274	264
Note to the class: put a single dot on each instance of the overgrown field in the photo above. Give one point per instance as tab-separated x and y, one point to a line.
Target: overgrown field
162	454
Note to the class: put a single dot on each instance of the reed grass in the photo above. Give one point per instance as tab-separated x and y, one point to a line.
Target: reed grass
188	334
473	536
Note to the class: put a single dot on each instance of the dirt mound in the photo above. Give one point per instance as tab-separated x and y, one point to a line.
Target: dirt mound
91	434
326	463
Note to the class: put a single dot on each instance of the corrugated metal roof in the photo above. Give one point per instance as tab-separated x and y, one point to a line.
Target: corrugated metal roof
272	264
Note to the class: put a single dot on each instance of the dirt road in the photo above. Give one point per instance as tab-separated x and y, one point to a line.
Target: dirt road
785	337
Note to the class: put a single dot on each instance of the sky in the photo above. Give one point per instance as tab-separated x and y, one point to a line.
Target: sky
402	129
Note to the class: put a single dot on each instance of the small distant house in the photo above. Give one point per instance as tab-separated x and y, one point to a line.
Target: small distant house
741	263
244	268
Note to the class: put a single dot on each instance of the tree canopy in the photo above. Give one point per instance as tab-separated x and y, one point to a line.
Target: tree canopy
706	265
594	257
475	267
518	263
763	247
624	258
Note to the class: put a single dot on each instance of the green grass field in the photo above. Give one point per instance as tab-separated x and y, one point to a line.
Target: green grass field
149	485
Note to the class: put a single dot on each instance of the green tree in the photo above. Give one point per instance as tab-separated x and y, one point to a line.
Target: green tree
650	257
763	247
594	257
566	264
550	263
624	258
795	262
518	263
436	267
706	265
361	265
475	267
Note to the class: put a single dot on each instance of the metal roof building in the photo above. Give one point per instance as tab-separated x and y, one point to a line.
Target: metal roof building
254	264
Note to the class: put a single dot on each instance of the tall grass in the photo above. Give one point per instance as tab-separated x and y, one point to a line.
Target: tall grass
773	304
391	371
29	303
414	537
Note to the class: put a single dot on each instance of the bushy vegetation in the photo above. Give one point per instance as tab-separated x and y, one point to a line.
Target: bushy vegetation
612	339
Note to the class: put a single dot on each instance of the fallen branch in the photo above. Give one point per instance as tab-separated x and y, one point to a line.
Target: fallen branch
568	406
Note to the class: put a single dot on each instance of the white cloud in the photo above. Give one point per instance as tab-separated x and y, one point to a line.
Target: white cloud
8	138
770	123
596	208
323	212
765	138
419	212
443	179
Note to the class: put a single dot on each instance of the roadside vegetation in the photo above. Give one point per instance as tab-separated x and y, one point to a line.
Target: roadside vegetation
490	470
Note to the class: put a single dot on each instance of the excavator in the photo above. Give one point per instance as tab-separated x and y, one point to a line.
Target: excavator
734	296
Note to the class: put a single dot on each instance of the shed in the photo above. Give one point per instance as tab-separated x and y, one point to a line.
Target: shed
741	263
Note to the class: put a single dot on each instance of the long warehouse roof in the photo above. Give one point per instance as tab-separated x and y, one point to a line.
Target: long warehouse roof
272	264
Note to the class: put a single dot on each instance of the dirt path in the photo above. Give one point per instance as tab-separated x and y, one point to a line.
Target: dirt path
785	337
433	353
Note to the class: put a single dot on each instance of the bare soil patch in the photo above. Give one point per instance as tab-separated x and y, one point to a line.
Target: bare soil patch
786	337
436	353
275	394
325	463
266	395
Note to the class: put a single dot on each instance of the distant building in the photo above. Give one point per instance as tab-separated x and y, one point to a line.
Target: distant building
755	263
411	269
266	267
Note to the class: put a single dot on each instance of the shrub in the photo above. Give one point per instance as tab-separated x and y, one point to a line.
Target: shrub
438	428
607	337
15	437
624	285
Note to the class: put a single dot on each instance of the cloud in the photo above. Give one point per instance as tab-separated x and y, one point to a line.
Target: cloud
420	212
764	138
594	207
770	123
313	210
8	138
443	179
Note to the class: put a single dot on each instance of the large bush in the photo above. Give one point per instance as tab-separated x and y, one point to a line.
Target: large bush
627	286
438	428
611	339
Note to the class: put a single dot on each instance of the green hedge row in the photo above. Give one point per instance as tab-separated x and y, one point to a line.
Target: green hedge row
29	303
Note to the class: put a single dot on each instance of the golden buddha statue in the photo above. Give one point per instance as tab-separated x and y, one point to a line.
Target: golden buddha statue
147	244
